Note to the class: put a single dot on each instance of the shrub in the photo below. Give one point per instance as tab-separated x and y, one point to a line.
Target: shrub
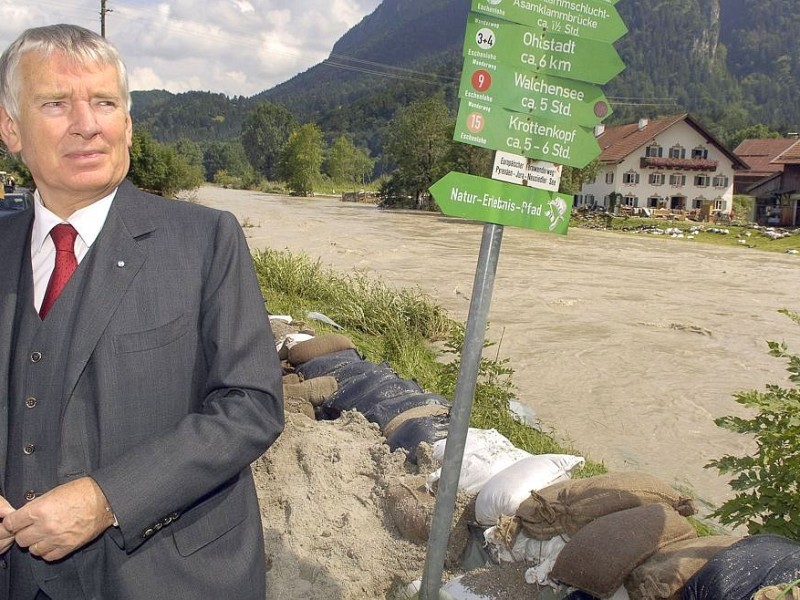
766	483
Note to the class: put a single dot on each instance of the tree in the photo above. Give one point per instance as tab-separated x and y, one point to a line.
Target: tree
228	158
754	132
419	142
301	159
159	168
190	152
766	486
348	164
572	179
264	133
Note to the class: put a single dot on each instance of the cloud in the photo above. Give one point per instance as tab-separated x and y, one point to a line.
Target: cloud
236	47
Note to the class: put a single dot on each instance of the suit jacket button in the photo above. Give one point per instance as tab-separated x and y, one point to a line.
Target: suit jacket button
30	495
31	402
29	449
36	357
148	532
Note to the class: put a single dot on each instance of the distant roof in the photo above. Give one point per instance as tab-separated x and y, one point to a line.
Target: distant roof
761	154
617	143
790	156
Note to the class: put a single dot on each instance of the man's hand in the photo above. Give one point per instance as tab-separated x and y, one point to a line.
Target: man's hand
64	519
6	537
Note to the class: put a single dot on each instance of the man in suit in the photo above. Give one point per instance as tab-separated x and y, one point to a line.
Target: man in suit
132	405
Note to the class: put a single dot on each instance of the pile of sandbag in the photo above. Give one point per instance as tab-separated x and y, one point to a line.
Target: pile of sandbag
325	375
620	535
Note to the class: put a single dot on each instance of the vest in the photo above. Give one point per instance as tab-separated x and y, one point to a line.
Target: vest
36	402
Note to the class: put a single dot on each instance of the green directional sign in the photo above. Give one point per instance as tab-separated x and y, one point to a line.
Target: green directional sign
491	41
482	125
491	201
589	19
545	96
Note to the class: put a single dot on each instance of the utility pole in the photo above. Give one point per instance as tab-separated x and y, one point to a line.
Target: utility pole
103	11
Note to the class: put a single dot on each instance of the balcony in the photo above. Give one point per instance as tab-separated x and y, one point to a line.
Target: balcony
682	164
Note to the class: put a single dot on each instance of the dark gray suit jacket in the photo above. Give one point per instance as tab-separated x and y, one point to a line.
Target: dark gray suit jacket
173	389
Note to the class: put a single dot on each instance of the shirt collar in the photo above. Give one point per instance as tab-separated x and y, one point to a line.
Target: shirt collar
87	221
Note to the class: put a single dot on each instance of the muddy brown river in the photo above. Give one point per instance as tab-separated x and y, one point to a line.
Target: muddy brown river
626	346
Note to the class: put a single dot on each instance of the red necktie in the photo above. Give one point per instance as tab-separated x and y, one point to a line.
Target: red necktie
63	237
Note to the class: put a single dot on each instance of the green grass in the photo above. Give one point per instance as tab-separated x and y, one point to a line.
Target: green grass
404	328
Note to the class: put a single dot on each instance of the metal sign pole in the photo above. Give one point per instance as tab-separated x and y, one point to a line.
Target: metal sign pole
460	413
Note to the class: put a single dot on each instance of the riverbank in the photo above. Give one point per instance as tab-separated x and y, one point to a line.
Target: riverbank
627	346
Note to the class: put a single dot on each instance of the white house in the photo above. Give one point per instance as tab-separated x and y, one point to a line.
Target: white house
665	166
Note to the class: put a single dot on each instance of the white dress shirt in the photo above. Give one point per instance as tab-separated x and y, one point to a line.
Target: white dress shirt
87	221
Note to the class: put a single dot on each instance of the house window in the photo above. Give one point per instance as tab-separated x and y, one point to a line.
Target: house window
656	179
697	203
700	153
677	180
677	152
578	199
654	151
702	180
720	204
610	177
721	181
630	200
631	178
653	201
589	199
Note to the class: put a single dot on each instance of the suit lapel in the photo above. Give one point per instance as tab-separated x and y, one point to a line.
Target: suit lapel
14	249
116	258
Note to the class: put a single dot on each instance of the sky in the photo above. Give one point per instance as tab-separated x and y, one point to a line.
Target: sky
233	47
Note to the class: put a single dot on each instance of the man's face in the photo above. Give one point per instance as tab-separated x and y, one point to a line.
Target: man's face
73	130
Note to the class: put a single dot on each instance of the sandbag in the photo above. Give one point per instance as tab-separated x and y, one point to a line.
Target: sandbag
356	393
602	554
347	371
411	507
316	390
318	346
426	410
664	574
413	431
567	506
505	491
327	363
392	400
740	570
486	453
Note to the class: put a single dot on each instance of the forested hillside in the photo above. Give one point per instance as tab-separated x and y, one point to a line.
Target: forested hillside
731	63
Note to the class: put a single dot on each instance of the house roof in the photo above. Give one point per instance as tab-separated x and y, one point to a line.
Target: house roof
790	156
617	143
761	155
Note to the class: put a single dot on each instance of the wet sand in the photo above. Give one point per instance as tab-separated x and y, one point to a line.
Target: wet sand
627	346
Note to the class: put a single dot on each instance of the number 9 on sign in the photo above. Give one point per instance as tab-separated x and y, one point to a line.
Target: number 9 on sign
485	38
481	80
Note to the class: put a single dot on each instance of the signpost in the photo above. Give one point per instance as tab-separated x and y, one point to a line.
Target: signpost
494	41
535	137
490	201
538	174
526	88
588	19
545	96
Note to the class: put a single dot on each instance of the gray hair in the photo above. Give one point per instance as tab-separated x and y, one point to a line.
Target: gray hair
75	43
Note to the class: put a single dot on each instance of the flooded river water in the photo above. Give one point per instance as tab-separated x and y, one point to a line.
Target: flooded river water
626	346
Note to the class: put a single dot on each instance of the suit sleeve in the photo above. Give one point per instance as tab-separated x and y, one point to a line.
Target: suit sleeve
242	408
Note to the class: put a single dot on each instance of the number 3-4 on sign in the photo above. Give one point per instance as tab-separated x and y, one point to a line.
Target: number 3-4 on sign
485	38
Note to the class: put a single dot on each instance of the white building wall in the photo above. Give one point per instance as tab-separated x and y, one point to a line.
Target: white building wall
643	193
